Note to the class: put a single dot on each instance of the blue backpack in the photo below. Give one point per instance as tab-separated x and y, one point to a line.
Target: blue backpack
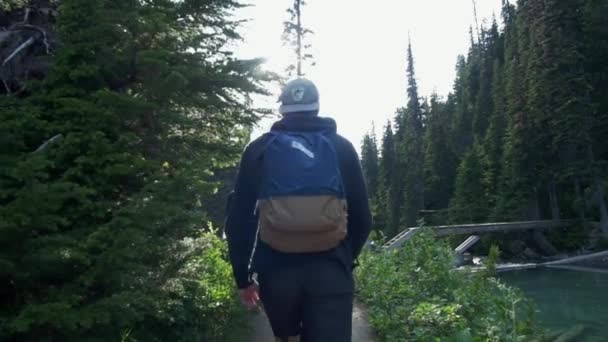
301	204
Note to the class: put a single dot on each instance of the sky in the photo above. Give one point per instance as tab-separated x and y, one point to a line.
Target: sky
360	52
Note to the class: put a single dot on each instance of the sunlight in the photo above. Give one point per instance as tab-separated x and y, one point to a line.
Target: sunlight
360	54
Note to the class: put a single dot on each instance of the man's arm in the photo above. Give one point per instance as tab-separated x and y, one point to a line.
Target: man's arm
241	223
359	214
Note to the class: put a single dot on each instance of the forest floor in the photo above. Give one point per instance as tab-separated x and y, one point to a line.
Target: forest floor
361	329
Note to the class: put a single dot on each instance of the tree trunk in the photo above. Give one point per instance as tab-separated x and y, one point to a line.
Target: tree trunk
539	238
601	203
552	188
580	205
299	36
533	208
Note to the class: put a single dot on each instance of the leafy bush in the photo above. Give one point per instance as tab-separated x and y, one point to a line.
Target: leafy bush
199	304
413	294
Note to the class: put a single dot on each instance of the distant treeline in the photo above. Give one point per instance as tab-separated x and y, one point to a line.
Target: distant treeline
521	135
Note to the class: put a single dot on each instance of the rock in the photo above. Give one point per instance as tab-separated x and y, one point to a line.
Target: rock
458	260
516	247
529	253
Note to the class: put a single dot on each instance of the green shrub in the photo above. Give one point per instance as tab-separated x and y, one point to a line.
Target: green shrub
413	294
200	303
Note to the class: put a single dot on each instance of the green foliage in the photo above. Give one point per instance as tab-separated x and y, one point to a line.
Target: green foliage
469	204
493	258
439	157
200	302
100	231
8	5
570	239
409	180
413	294
369	163
387	199
520	137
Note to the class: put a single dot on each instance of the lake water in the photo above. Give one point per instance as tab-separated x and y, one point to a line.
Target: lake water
567	299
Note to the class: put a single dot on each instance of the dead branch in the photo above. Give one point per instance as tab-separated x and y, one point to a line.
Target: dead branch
25	44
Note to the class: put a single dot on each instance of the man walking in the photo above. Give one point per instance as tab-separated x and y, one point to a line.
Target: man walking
298	219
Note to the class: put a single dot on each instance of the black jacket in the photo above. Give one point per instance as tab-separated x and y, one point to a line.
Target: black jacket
241	223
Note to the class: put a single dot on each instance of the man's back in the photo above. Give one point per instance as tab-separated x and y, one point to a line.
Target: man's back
299	289
243	223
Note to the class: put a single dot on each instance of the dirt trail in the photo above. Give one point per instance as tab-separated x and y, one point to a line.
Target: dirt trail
361	329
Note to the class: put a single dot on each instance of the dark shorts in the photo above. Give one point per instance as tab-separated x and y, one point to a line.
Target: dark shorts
313	299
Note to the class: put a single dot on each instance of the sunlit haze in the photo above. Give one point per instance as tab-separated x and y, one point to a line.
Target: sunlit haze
360	52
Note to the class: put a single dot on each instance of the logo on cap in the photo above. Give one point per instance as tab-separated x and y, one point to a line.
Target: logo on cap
297	94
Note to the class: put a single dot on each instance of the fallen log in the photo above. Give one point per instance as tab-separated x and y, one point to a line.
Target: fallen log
579	258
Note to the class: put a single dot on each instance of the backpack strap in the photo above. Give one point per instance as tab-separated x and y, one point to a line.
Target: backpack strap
331	139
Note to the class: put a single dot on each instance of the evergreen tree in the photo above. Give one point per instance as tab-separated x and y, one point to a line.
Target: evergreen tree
370	161
493	148
521	136
370	166
468	204
439	159
462	134
517	192
99	229
295	35
595	34
388	203
410	152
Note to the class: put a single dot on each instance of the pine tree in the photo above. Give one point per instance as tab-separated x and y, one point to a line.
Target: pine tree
468	204
493	148
517	198
595	34
99	229
439	158
295	35
462	124
370	165
411	151
388	204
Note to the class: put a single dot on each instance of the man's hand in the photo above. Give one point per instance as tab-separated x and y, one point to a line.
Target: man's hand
250	297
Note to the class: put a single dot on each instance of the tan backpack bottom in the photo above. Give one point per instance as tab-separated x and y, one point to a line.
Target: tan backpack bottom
303	224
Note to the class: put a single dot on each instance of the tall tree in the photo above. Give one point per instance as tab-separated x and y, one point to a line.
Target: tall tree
468	204
596	50
369	161
439	158
295	35
98	230
411	151
521	136
388	203
517	192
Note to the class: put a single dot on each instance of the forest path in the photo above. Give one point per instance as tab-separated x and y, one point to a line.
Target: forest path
361	329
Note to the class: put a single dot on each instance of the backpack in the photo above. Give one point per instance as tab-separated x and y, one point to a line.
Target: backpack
301	203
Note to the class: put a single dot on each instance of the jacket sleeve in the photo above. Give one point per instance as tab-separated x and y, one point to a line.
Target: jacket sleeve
359	214
241	222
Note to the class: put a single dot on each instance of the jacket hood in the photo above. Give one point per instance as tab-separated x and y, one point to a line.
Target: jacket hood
305	123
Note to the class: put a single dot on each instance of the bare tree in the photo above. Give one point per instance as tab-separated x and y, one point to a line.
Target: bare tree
295	35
